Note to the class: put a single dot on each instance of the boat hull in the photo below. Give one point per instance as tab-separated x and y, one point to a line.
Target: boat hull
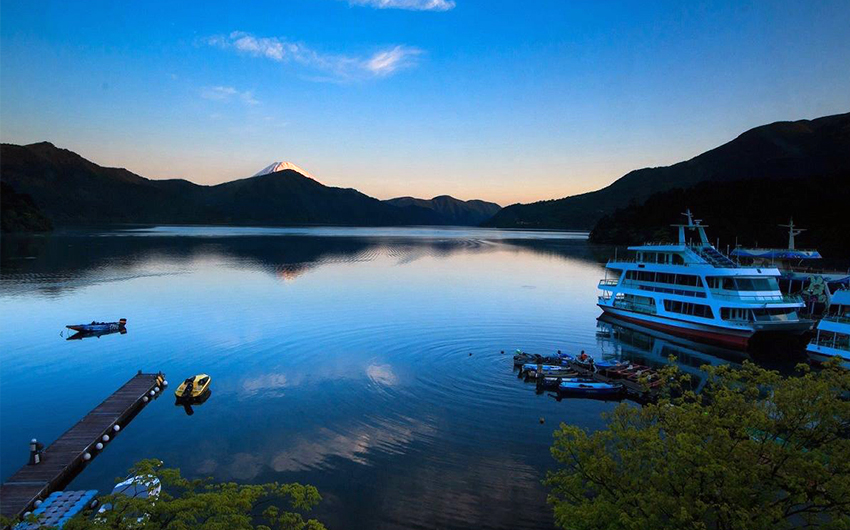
731	338
824	354
96	328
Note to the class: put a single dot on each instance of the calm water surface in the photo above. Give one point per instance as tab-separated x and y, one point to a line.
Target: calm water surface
363	361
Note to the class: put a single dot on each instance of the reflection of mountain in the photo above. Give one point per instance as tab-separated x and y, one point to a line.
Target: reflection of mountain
69	260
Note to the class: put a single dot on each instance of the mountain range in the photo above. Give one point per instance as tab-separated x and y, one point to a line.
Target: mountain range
70	190
778	151
745	186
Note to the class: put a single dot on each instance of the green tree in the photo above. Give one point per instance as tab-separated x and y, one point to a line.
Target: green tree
754	450
203	505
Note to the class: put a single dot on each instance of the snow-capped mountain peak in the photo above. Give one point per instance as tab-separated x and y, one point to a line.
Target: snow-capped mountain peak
280	166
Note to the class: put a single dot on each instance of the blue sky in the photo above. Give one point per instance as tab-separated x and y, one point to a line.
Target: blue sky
506	101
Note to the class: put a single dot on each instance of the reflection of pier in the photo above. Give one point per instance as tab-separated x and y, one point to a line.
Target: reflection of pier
63	460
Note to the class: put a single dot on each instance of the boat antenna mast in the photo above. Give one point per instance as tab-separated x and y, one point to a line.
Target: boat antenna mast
792	232
693	224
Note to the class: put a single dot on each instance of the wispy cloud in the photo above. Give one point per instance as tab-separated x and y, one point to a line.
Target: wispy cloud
334	67
411	5
226	93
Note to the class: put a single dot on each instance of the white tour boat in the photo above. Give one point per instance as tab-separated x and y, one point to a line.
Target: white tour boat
833	335
690	289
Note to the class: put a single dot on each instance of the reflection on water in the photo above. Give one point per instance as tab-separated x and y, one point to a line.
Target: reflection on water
80	335
365	362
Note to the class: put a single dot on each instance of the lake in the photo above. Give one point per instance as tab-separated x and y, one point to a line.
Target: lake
363	361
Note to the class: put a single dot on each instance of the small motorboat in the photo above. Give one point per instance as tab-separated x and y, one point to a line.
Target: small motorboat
193	387
99	327
552	382
589	387
521	358
546	369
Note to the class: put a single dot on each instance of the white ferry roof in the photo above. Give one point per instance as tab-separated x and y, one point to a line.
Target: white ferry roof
780	253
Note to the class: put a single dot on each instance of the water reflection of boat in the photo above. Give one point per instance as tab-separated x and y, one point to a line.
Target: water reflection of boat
97	334
188	403
637	344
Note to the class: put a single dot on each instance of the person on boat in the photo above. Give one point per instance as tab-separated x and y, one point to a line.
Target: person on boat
583	356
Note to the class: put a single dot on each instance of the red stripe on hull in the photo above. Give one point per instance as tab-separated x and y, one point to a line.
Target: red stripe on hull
736	341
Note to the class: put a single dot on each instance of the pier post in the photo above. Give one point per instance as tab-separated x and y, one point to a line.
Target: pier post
35	452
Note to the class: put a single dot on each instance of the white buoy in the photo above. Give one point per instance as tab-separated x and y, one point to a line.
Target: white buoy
156	389
98	446
116	428
145	399
87	456
27	514
37	503
152	393
105	437
164	384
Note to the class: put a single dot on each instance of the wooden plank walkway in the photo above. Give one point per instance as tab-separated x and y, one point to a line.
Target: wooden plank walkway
63	460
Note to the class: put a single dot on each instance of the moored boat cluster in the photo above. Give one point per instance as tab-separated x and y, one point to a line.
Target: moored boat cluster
584	376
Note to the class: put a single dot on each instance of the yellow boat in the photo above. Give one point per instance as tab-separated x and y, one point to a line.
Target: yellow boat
193	387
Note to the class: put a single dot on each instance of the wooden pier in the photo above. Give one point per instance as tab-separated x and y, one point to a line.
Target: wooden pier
63	460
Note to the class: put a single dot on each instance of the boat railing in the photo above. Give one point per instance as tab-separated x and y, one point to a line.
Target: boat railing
843	319
634	260
609	281
632	306
830	342
743	297
667	290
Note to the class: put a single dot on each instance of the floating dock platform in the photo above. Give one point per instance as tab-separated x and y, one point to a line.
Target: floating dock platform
63	460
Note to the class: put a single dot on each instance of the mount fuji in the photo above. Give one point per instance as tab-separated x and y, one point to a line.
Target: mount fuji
276	167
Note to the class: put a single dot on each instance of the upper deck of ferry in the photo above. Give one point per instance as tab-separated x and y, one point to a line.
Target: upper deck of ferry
687	254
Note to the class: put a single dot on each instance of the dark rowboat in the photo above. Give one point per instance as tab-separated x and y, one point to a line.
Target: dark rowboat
99	327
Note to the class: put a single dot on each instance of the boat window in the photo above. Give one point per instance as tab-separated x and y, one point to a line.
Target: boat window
714	282
687	308
678	259
665	277
756	284
687	279
734	313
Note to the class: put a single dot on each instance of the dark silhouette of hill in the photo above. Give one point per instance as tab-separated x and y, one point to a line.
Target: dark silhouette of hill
745	210
18	213
71	190
779	151
452	211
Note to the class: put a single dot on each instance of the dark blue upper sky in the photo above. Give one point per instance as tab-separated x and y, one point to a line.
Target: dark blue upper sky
508	101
